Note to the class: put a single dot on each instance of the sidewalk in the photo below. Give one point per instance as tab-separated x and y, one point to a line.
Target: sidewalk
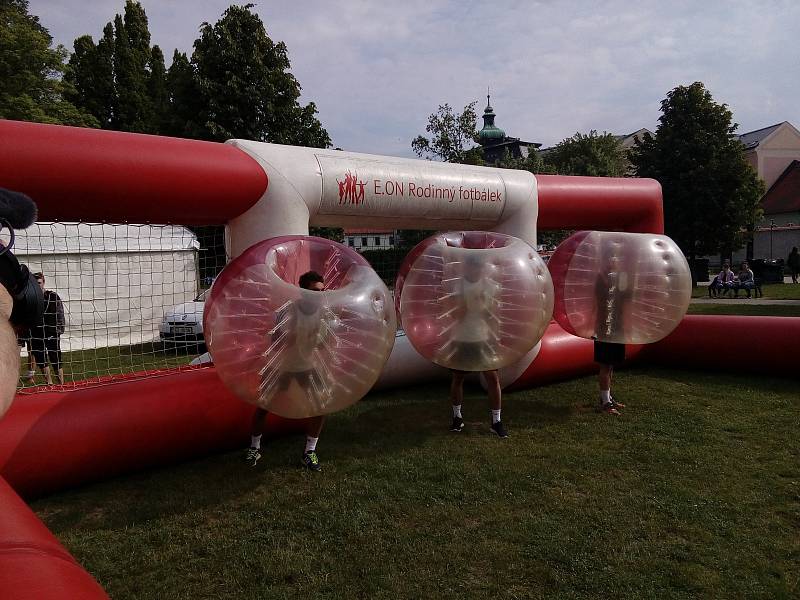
745	299
786	279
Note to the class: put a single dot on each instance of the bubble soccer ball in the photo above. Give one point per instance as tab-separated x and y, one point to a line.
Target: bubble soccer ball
298	352
624	288
474	301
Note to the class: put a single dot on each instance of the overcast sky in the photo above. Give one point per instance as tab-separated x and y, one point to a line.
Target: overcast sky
376	70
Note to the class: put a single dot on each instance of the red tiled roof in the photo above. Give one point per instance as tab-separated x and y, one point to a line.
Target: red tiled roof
784	195
367	231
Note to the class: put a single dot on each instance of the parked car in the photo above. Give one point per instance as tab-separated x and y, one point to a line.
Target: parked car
183	324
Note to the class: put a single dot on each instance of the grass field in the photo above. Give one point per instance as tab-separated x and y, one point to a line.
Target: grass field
743	308
99	362
772	291
693	492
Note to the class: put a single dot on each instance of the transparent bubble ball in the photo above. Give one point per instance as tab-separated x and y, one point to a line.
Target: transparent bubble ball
474	300
297	352
625	288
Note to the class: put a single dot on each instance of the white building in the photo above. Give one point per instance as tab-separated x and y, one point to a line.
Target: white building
115	281
370	239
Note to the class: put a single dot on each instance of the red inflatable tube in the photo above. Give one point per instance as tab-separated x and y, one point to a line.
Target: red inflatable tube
612	203
112	177
105	431
562	356
33	565
769	345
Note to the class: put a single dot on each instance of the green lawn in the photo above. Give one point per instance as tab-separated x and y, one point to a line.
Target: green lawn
742	307
772	291
99	362
693	492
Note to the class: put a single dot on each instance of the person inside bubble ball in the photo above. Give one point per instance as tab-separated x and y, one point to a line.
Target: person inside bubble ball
299	330
476	297
612	292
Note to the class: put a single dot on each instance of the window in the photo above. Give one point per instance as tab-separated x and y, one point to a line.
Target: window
364	241
377	241
391	240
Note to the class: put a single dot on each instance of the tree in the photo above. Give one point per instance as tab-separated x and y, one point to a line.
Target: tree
157	90
453	136
131	59
592	155
90	71
710	191
31	85
247	90
182	115
121	80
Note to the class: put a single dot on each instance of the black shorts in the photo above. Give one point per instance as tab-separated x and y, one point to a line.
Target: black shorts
607	353
46	350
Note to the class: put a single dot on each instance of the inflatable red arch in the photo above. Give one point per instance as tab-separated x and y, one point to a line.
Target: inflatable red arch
91	175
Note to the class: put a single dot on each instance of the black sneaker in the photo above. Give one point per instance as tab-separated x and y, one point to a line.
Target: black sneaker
499	429
458	424
251	456
311	461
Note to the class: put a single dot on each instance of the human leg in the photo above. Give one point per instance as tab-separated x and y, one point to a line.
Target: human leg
253	453
607	355
456	399
313	431
54	357
39	351
495	402
30	376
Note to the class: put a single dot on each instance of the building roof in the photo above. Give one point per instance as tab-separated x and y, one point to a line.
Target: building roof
510	142
490	131
752	139
784	195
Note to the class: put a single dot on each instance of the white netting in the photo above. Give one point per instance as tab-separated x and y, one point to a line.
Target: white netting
131	298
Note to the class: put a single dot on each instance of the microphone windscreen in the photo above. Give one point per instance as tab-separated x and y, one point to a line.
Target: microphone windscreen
17	209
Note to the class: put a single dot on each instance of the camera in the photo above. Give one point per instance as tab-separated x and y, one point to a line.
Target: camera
17	211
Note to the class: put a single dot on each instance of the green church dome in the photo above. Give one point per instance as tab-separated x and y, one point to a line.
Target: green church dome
490	134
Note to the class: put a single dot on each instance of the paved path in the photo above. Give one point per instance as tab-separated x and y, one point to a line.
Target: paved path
745	300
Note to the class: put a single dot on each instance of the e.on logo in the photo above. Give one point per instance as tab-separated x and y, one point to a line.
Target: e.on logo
351	190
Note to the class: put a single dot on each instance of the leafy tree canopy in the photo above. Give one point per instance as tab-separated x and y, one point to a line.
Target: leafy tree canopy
31	85
246	86
453	137
711	193
589	154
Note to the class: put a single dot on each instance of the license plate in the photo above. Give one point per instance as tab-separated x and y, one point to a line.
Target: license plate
183	330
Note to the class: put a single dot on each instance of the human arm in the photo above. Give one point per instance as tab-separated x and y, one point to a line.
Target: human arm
61	322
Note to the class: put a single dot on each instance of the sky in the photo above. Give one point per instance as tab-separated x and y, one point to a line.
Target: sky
376	70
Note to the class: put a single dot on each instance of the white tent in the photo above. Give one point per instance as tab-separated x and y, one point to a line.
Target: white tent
116	281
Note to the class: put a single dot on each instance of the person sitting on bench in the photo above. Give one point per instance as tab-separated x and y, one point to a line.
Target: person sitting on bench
745	280
723	282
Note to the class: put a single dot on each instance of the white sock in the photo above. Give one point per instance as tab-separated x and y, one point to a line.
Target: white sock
255	441
495	416
605	396
457	411
311	443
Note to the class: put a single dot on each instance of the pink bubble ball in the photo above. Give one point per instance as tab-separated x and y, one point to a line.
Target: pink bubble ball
625	288
474	300
297	352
